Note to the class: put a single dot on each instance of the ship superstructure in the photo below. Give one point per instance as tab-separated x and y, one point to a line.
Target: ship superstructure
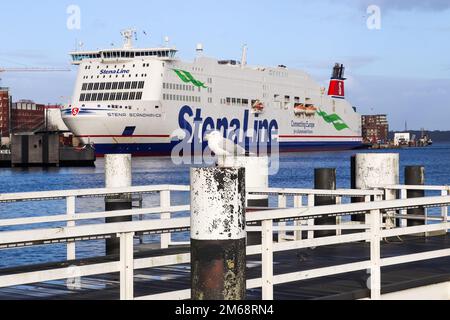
132	100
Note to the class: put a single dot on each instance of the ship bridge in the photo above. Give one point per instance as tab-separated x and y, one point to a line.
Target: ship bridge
118	55
124	54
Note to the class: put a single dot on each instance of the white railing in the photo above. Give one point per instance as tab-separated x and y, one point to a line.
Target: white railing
269	219
71	217
403	194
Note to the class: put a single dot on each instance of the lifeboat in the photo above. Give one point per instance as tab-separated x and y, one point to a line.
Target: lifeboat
258	107
300	109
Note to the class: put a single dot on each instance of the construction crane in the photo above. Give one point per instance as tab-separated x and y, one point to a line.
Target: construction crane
3	70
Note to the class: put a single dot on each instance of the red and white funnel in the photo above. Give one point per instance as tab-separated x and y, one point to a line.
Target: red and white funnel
337	82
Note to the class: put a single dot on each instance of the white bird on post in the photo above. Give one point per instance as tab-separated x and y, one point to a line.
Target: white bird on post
223	147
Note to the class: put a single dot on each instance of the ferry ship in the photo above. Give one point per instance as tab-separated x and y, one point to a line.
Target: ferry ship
132	100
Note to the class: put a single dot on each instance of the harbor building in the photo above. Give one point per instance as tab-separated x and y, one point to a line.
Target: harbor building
27	116
5	101
375	128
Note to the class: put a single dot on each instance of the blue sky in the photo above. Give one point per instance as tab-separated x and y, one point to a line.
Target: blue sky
402	69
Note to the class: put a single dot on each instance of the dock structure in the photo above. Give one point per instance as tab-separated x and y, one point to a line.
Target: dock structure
404	261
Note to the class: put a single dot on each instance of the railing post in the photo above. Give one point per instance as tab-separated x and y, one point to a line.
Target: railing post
311	204
126	266
403	212
165	202
375	254
267	260
218	234
367	216
444	210
339	219
71	209
282	204
298	203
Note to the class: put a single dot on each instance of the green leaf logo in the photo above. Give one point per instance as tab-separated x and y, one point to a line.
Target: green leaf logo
333	119
187	77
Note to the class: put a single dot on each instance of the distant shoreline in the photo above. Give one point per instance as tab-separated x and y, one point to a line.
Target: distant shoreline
436	136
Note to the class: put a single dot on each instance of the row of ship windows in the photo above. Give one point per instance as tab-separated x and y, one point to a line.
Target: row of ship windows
235	101
111	96
145	65
112	85
177	97
144	75
175	86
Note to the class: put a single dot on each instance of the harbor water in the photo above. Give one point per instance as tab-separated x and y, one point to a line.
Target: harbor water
296	171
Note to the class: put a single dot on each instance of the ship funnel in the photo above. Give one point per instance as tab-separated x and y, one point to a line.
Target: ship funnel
337	83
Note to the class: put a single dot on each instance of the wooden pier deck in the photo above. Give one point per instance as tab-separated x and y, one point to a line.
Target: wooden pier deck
338	287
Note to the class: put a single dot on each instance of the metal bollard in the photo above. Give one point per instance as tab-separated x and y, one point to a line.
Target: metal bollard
415	176
256	176
117	175
218	234
355	217
325	179
377	170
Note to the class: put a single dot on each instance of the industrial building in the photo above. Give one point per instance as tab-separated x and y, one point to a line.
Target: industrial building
5	101
27	116
375	128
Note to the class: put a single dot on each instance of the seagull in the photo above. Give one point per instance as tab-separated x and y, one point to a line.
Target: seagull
179	135
223	147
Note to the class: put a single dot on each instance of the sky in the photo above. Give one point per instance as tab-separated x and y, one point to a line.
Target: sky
397	57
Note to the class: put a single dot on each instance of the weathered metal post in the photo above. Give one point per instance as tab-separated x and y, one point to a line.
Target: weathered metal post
358	217
218	233
415	176
256	176
325	179
117	175
378	170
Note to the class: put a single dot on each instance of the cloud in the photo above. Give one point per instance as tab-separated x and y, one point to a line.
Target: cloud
405	5
420	102
323	67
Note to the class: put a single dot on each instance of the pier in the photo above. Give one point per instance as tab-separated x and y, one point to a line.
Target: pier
399	249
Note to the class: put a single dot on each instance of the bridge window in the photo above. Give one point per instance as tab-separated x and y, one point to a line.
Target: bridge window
96	85
102	86
115	85
90	86
128	85
121	85
141	85
84	87
119	96
82	97
108	86
125	95
106	96
139	96
100	97
132	95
